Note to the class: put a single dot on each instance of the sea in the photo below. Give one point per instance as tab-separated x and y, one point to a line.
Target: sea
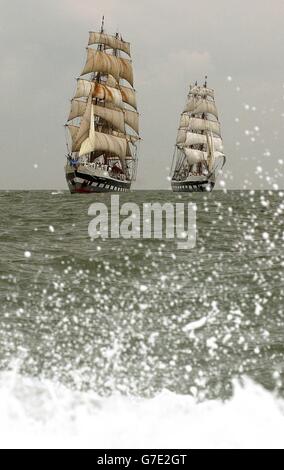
135	343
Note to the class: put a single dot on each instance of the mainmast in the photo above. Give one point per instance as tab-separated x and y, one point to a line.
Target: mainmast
103	24
204	146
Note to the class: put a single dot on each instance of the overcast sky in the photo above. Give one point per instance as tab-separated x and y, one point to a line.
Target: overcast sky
238	43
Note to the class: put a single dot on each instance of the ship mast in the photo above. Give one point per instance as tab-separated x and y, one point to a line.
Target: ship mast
97	77
204	146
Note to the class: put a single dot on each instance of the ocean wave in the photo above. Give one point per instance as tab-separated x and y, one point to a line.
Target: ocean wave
43	414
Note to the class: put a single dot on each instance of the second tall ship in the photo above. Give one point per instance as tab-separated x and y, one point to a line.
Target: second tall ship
103	121
198	156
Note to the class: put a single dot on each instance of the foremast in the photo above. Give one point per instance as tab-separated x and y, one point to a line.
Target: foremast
103	120
199	144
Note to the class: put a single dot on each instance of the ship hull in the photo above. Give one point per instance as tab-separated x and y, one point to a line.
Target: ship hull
84	183
192	186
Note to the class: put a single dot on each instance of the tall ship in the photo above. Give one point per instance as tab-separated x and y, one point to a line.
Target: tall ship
198	156
103	123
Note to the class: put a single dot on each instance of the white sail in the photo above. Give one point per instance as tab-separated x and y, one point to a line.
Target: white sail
132	139
190	138
89	144
84	88
111	81
126	70
195	156
108	94
113	116
101	62
197	124
132	120
78	108
105	143
210	151
98	61
73	132
200	106
128	96
181	137
184	120
111	42
84	126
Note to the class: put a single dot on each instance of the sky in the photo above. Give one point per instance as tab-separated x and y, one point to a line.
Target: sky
239	44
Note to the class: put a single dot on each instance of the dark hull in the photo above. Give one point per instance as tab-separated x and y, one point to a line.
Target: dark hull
84	183
192	186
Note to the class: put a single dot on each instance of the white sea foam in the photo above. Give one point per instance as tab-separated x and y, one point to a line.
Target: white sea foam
196	325
41	414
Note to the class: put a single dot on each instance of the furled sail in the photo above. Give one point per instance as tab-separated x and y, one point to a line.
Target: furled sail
101	62
111	42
